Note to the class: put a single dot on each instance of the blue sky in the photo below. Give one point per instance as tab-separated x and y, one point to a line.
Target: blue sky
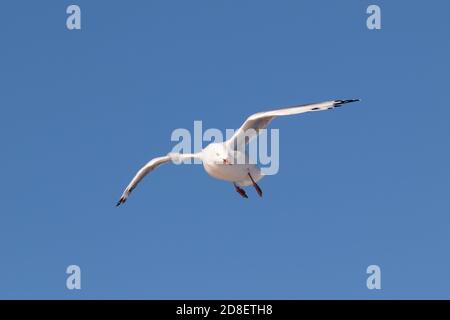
81	111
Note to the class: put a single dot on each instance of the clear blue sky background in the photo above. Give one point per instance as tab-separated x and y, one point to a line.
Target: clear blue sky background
81	111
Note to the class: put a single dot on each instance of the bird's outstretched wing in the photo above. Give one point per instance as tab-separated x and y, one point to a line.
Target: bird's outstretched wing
150	166
260	120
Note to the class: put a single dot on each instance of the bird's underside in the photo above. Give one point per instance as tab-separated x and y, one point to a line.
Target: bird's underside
213	155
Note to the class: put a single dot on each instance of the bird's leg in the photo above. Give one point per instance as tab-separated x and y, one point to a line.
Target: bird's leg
257	188
240	190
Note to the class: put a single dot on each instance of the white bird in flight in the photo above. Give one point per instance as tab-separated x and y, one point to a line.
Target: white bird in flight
221	159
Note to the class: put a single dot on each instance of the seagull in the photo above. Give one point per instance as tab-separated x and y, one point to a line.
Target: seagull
221	159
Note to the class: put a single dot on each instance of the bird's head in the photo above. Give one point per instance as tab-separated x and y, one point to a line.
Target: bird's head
218	154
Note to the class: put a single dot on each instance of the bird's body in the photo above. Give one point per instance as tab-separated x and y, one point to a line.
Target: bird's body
234	171
228	160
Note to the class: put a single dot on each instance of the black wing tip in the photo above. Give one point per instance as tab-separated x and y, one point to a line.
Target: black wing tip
121	200
338	103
